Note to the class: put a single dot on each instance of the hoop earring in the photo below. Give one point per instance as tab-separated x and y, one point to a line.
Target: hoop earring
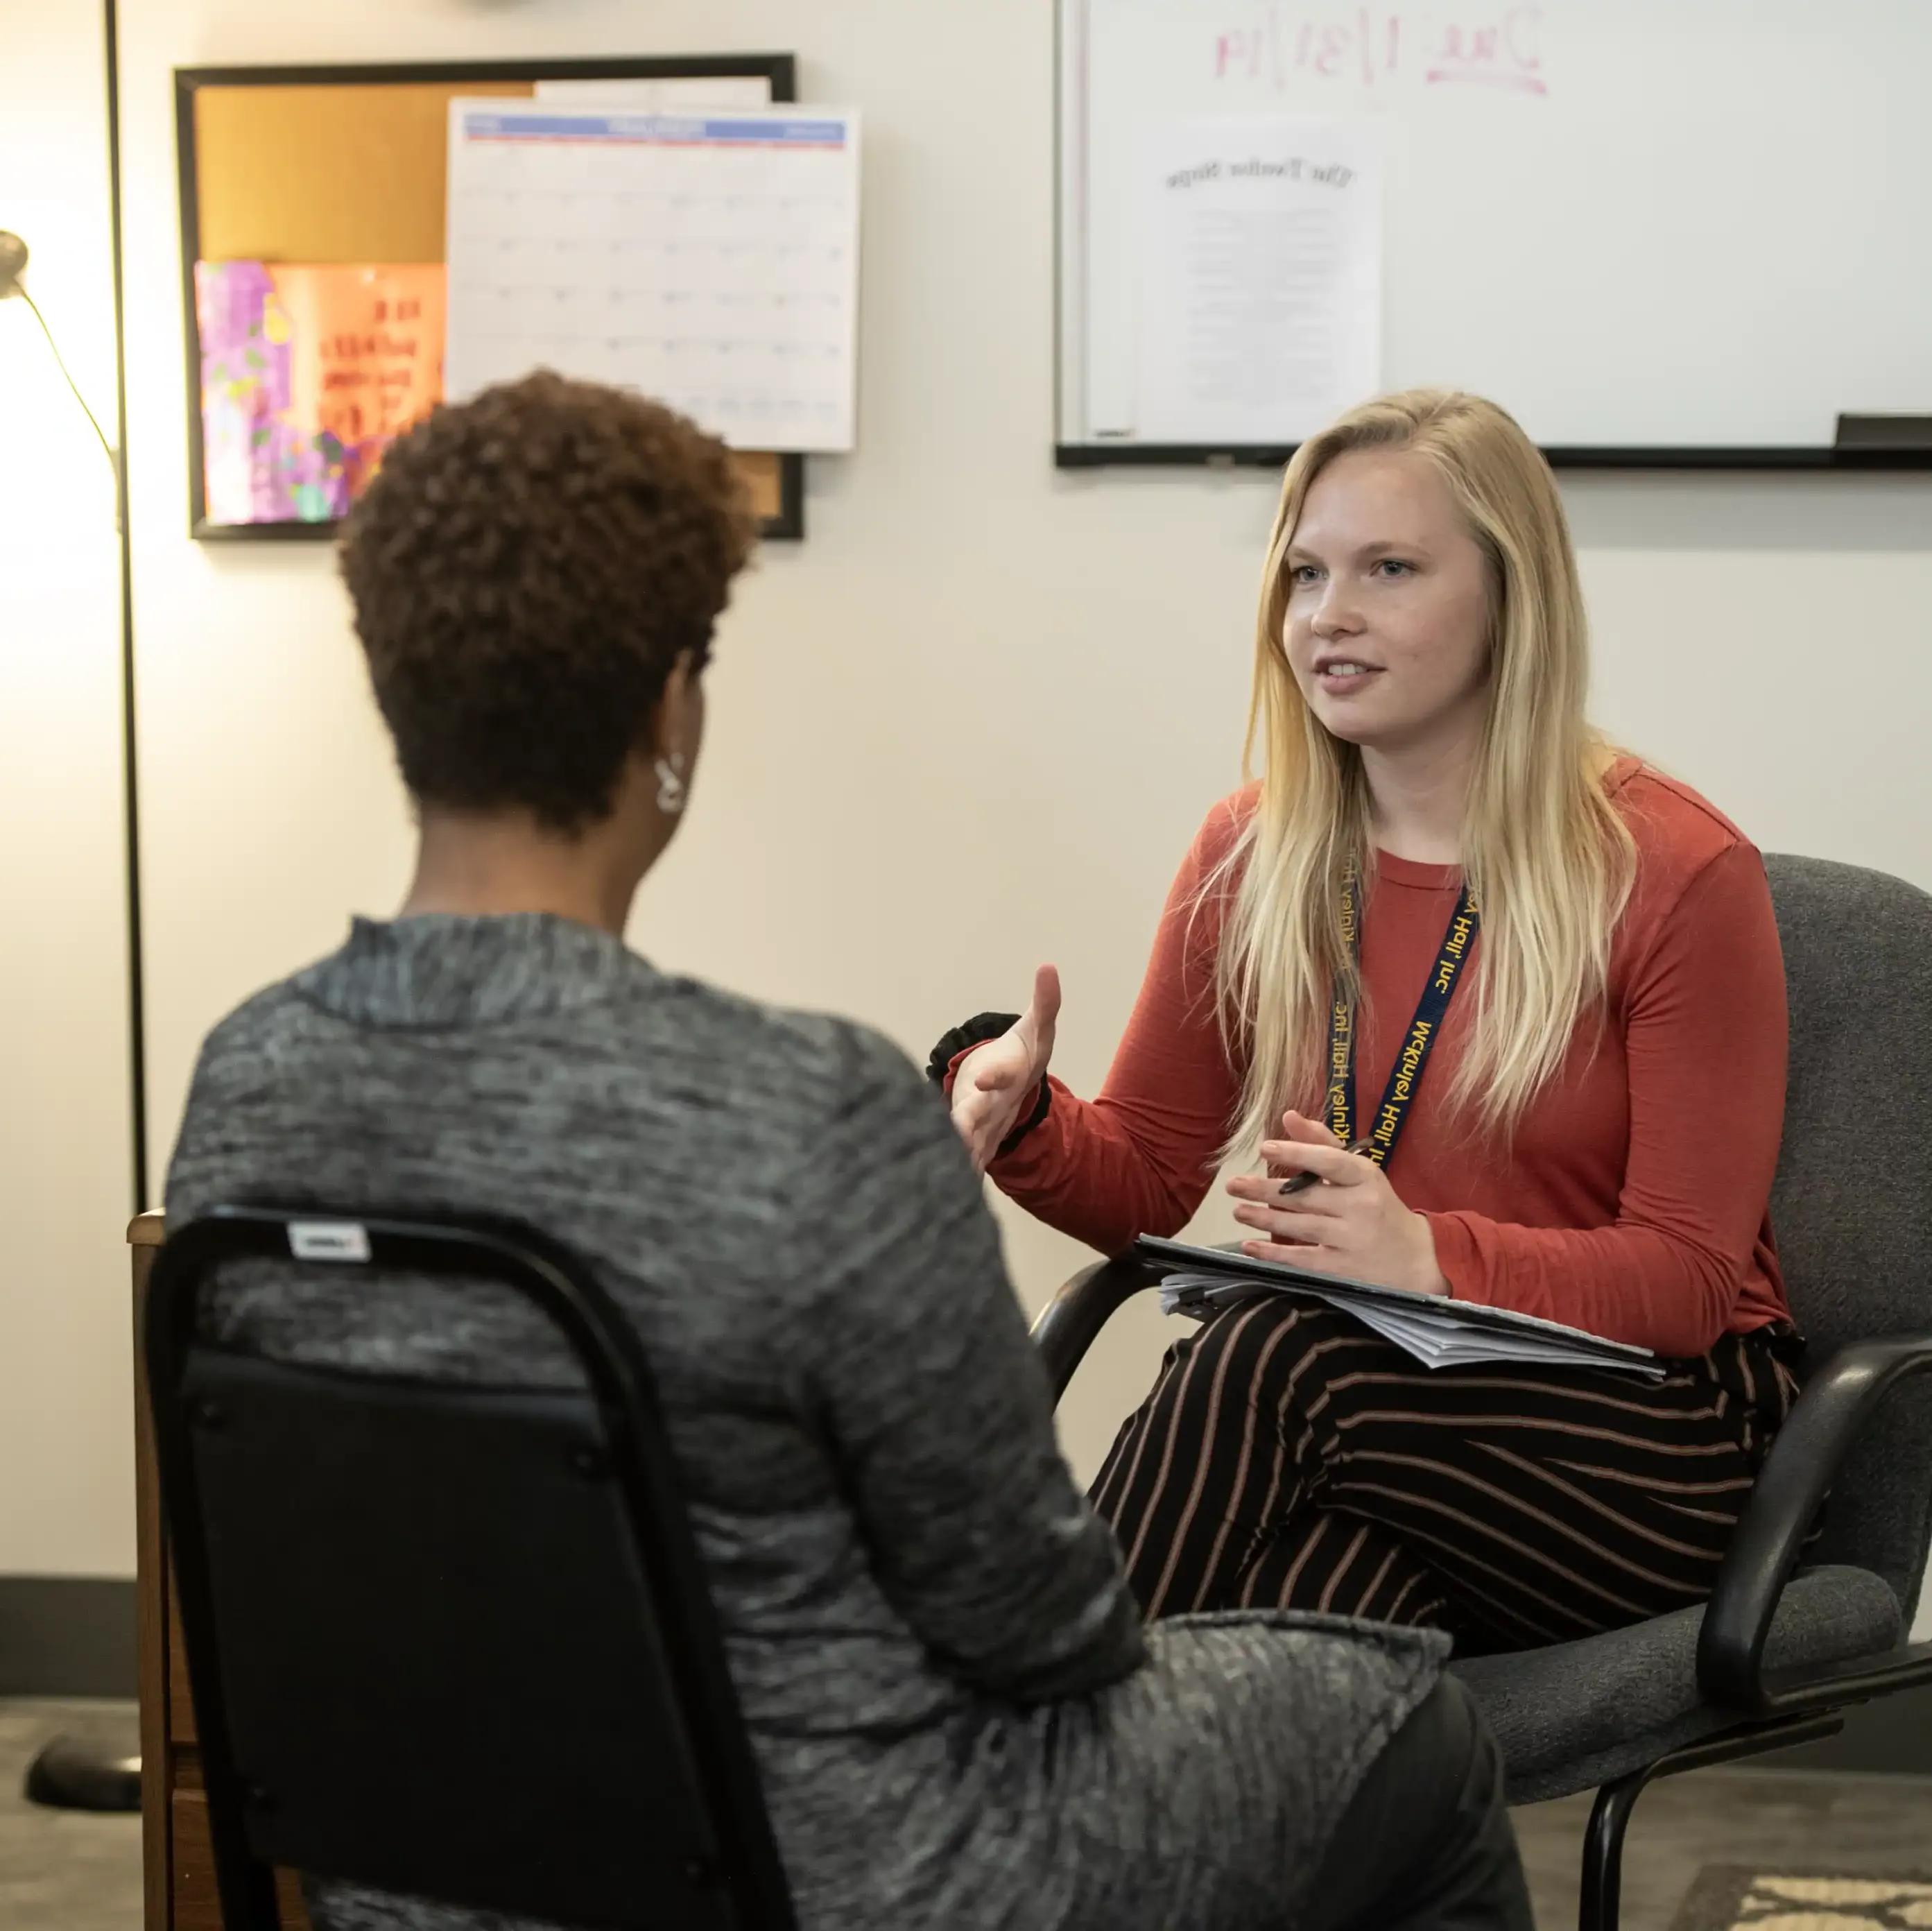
670	786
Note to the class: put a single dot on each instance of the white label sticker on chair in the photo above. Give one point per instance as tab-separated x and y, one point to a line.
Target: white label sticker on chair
328	1240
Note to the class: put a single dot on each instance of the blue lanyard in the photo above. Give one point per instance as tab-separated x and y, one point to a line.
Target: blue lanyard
1400	1093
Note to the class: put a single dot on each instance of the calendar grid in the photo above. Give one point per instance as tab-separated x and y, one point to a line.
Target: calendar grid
709	261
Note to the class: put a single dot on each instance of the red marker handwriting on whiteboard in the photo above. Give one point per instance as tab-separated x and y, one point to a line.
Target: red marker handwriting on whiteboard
1493	45
1500	54
1238	53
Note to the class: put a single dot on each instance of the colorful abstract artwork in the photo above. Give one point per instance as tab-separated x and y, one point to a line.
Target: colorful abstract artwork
308	372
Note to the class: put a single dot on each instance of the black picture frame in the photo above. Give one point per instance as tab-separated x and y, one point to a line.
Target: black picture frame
780	71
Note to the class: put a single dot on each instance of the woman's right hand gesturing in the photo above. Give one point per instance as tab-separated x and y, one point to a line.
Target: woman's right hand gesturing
996	1083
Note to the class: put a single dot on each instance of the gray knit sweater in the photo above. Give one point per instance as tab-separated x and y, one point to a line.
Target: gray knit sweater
958	1718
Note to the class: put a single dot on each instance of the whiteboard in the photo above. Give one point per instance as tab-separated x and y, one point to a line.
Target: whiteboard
1654	230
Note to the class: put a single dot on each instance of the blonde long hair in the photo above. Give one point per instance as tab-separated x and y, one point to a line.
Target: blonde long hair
1545	851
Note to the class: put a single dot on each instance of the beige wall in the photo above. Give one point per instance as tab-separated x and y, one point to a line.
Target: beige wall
973	720
66	1505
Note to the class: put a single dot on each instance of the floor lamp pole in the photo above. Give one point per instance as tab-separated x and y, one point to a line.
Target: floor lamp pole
94	1774
137	1043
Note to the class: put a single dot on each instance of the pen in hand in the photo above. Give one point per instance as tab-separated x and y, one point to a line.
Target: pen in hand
1300	1183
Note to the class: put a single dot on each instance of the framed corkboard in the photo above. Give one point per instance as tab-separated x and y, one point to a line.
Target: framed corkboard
313	207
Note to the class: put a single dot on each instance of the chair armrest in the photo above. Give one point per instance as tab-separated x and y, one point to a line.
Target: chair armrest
1070	1322
1804	1461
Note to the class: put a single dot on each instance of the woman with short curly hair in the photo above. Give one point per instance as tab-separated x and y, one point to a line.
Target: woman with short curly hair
535	576
958	1717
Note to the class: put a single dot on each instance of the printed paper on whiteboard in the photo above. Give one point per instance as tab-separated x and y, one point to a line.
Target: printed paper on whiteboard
1260	241
709	258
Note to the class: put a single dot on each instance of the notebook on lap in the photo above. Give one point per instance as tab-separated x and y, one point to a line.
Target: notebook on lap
1439	1333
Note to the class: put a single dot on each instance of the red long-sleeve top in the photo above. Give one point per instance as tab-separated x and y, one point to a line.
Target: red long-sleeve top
1632	1198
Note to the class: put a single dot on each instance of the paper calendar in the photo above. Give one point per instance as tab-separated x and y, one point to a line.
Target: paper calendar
708	259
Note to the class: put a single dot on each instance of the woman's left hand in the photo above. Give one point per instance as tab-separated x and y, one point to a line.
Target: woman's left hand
1352	1224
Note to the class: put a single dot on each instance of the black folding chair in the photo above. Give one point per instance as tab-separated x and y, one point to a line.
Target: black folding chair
448	1641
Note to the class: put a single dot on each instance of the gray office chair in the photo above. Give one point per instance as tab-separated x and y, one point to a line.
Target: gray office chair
1780	1653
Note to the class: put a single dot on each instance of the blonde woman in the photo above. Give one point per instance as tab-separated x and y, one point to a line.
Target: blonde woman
1544	981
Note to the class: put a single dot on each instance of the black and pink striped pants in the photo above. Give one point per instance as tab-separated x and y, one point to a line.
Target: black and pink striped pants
1288	1458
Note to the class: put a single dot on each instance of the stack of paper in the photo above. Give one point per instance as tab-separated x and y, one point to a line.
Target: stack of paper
1438	1332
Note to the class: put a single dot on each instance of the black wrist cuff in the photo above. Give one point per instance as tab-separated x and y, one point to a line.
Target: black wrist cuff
977	1030
1041	1106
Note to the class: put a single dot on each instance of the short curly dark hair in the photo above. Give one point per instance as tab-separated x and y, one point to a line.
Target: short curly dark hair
526	569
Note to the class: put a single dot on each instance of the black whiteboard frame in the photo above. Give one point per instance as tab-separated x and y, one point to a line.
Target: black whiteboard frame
780	70
1121	452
